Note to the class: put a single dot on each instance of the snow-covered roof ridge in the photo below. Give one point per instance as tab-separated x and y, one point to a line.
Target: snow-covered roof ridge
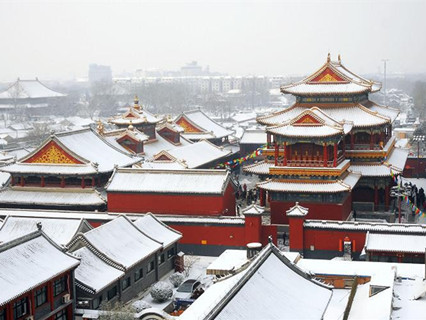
253	209
204	123
24	89
395	242
119	242
212	181
157	230
297	211
331	78
34	252
59	229
367	226
225	307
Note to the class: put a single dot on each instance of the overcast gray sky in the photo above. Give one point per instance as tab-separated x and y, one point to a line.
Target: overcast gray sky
58	39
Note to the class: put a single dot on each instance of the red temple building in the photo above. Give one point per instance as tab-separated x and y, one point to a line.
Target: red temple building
139	118
331	150
66	171
198	126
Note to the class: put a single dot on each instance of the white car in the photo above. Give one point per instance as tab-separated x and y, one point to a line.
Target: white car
186	289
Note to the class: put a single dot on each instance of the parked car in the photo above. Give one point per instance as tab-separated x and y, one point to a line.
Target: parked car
187	289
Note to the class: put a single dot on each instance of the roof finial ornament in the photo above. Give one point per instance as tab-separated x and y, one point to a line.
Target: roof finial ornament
100	127
136	105
39	226
328	57
131	126
338	58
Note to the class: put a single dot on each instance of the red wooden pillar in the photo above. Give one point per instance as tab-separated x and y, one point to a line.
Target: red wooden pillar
42	183
335	155
9	310
352	141
93	181
376	197
268	139
62	182
387	197
325	154
12	181
276	154
285	154
50	295
22	181
262	197
83	183
32	302
371	140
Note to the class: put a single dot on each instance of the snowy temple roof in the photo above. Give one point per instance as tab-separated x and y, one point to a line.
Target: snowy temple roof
359	114
136	115
93	274
228	262
88	145
169	181
157	230
260	167
60	230
153	147
297	211
253	209
119	242
370	170
207	128
253	137
331	79
312	122
51	168
28	262
395	243
286	290
323	187
24	89
51	196
397	159
163	165
197	154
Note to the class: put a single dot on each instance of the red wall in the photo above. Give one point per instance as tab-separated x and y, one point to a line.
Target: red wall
415	167
173	203
226	234
320	211
333	239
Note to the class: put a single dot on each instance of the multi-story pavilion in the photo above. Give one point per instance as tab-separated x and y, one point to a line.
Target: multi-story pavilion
331	150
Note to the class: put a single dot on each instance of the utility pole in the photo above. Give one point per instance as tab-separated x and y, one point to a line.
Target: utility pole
384	80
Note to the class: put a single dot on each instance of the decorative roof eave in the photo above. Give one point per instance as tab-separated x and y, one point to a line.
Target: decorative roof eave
297	211
183	115
332	93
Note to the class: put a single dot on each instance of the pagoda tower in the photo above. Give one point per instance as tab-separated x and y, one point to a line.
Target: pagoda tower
332	150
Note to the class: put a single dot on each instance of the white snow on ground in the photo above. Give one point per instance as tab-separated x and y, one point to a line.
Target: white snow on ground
405	307
197	271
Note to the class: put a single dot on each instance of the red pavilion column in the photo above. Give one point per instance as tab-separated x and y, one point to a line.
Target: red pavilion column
387	197
62	182
22	181
42	183
93	181
352	140
268	139
335	155
285	154
262	197
376	197
276	154
344	147
83	183
325	153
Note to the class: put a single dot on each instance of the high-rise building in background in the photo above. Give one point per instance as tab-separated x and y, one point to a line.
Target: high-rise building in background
99	73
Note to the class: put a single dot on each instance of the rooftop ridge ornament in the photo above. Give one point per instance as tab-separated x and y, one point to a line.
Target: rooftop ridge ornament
328	57
136	105
339	59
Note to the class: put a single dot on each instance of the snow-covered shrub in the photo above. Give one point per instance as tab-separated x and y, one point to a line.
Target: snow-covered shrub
176	279
161	291
140	305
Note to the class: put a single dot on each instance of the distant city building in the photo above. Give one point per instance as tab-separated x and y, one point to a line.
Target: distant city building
99	73
191	69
